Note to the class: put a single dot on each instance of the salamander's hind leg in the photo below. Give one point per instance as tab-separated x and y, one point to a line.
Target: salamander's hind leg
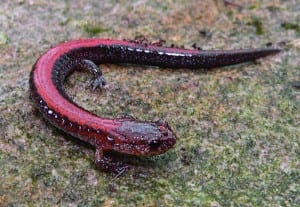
108	164
98	80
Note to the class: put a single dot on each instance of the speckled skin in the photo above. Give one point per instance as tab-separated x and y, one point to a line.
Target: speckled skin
123	134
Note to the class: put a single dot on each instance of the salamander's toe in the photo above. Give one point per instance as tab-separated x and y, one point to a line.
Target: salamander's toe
97	82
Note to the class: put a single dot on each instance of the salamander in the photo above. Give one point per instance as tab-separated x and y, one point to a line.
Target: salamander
123	134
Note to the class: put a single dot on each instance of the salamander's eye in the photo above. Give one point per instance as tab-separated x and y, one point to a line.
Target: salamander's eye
154	143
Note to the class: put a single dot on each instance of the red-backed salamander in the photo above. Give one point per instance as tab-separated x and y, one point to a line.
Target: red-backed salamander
122	134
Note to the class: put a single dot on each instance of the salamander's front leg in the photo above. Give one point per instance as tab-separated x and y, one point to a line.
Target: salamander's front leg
98	80
108	164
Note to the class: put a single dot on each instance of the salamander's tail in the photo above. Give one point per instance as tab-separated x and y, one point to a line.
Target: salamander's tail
230	57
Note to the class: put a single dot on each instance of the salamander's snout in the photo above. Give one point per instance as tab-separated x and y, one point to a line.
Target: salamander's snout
166	139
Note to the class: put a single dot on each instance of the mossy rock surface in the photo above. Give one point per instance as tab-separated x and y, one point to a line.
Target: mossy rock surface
237	127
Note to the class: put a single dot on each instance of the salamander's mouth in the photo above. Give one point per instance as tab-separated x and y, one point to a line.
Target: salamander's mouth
160	146
152	148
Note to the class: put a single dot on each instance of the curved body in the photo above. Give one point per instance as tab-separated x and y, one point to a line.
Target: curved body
124	134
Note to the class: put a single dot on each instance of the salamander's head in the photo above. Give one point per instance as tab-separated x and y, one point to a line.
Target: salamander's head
142	138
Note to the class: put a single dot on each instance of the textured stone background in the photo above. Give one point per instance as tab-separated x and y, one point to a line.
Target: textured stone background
237	127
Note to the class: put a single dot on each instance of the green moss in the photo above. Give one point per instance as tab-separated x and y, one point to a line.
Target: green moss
93	30
291	26
3	38
230	14
257	23
273	8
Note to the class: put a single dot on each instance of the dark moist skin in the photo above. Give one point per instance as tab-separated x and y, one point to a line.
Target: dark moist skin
123	134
